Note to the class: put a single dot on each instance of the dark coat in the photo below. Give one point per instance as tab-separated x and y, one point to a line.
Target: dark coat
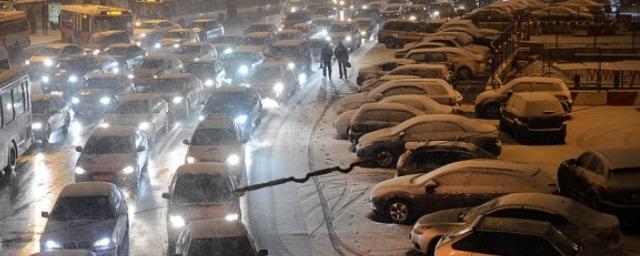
342	54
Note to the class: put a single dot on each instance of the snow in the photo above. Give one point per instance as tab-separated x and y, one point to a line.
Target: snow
82	189
203	168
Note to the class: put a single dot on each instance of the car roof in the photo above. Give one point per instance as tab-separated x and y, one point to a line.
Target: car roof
87	189
120	45
217	121
138	97
510	225
288	43
203	168
284	31
468	124
496	165
534	96
388	106
441	144
158	56
195	43
175	75
424	66
114	131
620	158
539	79
216	228
416	80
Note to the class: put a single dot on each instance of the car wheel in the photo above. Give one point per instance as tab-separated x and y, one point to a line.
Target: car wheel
492	110
399	211
12	158
385	158
464	73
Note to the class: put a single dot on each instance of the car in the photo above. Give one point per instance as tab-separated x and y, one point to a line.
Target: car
195	51
489	14
260	27
459	40
315	47
309	30
225	44
103	88
555	13
422	70
415	12
274	81
146	111
386	145
289	34
346	32
173	39
468	25
210	72
401	53
218	138
225	237
207	29
101	40
293	18
128	55
49	114
465	65
507	236
154	65
183	91
323	24
437	89
239	63
373	83
426	156
258	41
534	116
443	10
199	191
295	53
372	116
395	33
580	9
243	103
460	184
606	179
366	11
323	11
368	28
597	232
149	32
488	103
391	11
70	74
47	57
70	252
420	102
380	69
116	154
88	215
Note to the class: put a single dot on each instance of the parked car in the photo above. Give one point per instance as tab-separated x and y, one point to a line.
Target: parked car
260	27
149	32
468	25
386	145
225	237
460	184
128	55
243	103
400	54
421	102
207	29
289	34
200	191
88	215
49	114
372	116
47	57
489	14
155	65
183	91
373	83
100	93
196	51
459	40
210	72
293	18
274	81
539	115
258	41
225	44
597	233
422	70
148	112
507	236
116	154
554	13
465	65
396	33
346	32
218	138
605	179
239	63
426	156
488	103
101	40
380	69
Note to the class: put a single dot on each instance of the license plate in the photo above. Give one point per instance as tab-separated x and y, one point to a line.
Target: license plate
103	178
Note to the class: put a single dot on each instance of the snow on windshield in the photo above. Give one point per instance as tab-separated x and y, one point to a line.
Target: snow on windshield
108	145
82	208
130	107
202	188
214	137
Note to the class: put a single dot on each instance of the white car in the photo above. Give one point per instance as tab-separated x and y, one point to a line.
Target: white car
149	31
437	89
468	24
461	40
466	64
376	114
175	38
379	69
275	81
434	71
183	91
196	51
148	112
373	83
89	215
257	42
416	45
346	32
227	237
421	102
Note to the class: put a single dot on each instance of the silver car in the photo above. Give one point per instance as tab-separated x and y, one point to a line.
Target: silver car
148	112
49	113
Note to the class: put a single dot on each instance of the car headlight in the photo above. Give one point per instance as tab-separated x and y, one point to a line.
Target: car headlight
177	221
231	217
233	159
348	38
196	59
45	79
57	93
191	160
139	43
115	70
127	170
143	35
208	83
73	78
177	99
157	45
48	63
241	119
130	76
363	33
176	45
243	70
328	38
105	100
138	23
52	245
278	88
227	51
201	117
27	62
412	17
144	126
461	7
36	126
75	100
79	170
96	52
291	65
436	13
102	242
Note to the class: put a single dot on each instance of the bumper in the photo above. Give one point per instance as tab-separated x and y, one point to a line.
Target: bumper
419	242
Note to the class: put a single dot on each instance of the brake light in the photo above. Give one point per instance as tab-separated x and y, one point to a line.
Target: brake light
609	237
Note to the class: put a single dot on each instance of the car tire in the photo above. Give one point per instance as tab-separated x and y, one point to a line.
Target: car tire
464	73
12	159
385	158
399	211
491	110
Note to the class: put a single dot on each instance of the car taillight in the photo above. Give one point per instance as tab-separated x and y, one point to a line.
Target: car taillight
612	237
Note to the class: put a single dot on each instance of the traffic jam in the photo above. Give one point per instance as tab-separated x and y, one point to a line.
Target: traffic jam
156	129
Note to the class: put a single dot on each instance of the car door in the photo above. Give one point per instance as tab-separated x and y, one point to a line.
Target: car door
576	180
371	120
450	191
56	119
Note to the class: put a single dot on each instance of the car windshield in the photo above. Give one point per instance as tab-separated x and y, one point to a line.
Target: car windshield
82	208
259	28
229	246
265	73
227	40
132	107
40	107
69	64
243	56
108	145
102	83
202	188
199	24
186	49
219	100
282	51
118	51
177	34
151	63
203	137
201	68
162	86
340	28
49	51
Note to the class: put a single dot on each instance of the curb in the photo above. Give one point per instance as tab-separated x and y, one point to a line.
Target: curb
611	97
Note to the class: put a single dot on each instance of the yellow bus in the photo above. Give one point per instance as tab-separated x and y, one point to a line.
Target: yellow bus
79	21
14	30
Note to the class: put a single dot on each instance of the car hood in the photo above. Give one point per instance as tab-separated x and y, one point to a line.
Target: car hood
449	217
212	153
105	162
487	95
203	211
401	184
77	231
375	136
127	119
354	99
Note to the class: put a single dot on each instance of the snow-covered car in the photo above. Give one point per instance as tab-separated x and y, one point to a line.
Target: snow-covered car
372	116
565	13
88	215
101	92
323	11
295	18
387	144
227	237
380	69
488	103
598	233
173	39
101	40
373	83
415	12
295	53
289	34
468	25
242	103
460	184
459	39
421	102
196	51
183	91
225	44
210	72
148	112
207	29
391	11
49	114
534	116
400	54
257	41
70	74
128	55
507	236
239	63
437	89
274	81
149	32
426	156
47	57
116	154
595	6
346	32
309	30
490	14
260	27
465	64
323	24
422	70
200	191
396	33
368	28
154	65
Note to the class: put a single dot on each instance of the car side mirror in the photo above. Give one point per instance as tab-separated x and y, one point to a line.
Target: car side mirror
140	149
79	149
430	186
166	196
44	214
263	252
186	142
509	94
378	96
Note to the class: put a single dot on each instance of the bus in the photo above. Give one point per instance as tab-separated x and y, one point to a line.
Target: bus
14	30
173	9
79	22
15	118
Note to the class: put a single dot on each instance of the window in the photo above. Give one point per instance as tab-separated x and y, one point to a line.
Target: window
19	100
445	127
376	115
529	214
437	57
399	116
583	159
505	244
7	107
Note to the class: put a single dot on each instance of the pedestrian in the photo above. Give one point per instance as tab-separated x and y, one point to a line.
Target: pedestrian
45	21
325	60
342	54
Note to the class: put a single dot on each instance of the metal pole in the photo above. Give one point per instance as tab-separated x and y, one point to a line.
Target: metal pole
599	67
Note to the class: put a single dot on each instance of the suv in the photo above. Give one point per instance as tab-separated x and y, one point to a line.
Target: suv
531	114
224	237
396	33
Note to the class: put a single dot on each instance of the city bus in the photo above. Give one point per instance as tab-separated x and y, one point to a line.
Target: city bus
79	22
14	30
15	118
173	9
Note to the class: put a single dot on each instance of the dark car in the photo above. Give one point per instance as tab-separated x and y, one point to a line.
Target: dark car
128	55
50	114
415	12
100	93
537	115
423	157
210	72
243	103
461	184
99	41
605	179
70	74
207	29
154	65
295	53
196	51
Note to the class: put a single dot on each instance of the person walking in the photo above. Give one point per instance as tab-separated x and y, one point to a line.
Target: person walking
325	60
342	54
